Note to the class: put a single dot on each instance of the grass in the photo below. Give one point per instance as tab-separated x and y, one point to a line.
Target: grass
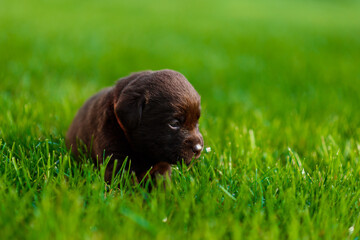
280	87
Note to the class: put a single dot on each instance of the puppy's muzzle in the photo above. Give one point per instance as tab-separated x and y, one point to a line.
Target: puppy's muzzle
195	144
197	148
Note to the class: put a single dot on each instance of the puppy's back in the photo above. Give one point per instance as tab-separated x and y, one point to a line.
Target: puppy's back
87	120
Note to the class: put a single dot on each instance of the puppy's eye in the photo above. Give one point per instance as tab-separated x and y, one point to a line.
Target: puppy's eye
174	124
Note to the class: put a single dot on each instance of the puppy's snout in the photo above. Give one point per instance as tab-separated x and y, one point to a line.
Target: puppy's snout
194	144
197	146
197	149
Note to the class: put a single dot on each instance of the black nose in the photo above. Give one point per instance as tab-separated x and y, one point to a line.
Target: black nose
197	149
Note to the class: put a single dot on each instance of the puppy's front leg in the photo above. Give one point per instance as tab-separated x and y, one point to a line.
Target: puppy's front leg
161	170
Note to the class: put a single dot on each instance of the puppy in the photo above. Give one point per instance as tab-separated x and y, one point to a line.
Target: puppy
151	117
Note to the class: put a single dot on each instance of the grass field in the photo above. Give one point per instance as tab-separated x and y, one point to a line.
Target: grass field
280	87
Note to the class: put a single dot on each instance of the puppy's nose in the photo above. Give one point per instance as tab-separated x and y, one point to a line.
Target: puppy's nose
197	149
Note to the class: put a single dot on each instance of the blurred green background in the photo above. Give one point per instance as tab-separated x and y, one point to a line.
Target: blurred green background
272	75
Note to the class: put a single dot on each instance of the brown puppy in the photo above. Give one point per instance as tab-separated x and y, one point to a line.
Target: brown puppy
150	117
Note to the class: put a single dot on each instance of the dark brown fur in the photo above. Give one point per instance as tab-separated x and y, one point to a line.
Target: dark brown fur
146	104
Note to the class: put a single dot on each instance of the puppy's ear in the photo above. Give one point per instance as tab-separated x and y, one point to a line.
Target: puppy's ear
129	107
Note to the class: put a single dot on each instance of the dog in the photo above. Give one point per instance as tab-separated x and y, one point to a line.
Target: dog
149	117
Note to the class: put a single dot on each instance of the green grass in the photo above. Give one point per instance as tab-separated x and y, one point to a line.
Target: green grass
280	87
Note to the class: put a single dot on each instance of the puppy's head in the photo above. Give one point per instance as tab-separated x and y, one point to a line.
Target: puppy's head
159	111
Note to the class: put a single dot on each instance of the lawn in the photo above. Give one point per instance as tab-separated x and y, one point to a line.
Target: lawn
280	88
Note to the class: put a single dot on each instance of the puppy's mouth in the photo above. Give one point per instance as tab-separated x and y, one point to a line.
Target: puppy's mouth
188	159
196	156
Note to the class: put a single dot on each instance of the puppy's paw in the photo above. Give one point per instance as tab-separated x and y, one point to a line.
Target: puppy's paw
160	175
161	169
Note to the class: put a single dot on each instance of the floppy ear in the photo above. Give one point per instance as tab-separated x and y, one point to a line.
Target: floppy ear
129	107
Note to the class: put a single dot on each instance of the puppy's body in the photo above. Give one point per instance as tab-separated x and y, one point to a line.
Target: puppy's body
150	117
